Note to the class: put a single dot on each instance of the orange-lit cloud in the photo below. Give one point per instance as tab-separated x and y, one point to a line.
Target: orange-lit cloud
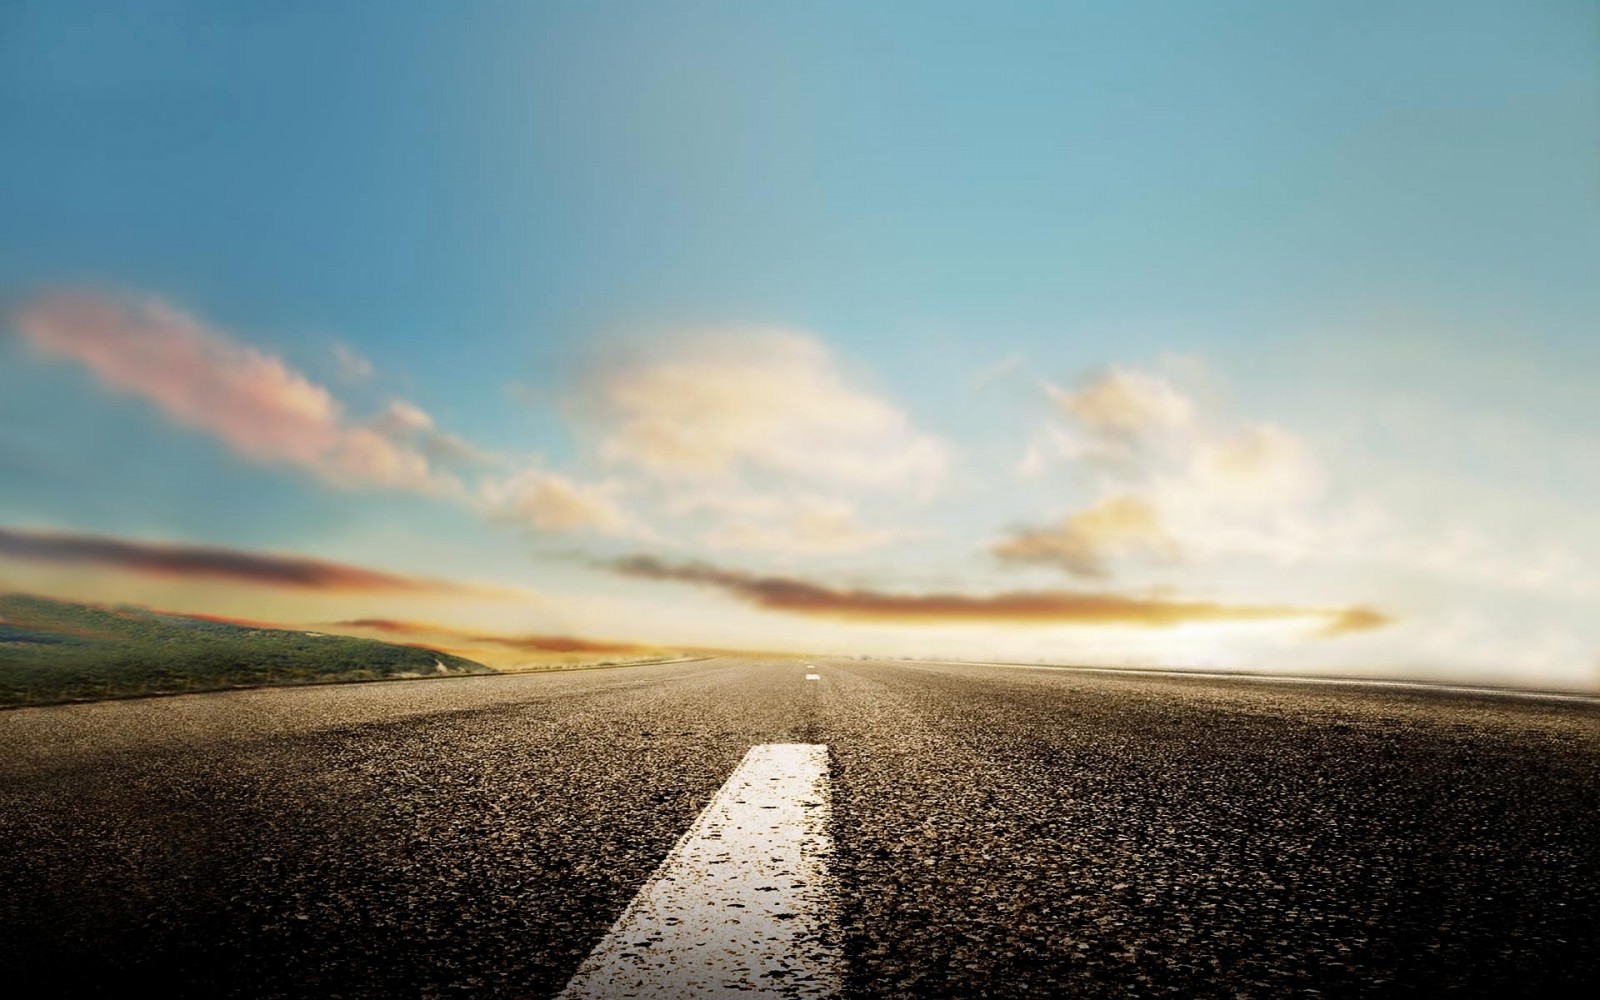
219	619
1083	541
523	643
1357	619
1058	607
204	379
210	562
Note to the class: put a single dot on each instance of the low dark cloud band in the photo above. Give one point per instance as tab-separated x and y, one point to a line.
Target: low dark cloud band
208	562
1020	607
523	643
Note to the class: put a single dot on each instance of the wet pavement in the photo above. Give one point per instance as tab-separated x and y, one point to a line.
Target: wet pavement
997	832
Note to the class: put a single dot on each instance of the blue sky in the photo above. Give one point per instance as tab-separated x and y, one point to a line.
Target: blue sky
1358	240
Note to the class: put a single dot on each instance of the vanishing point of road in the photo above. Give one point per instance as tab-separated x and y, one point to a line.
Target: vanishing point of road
813	827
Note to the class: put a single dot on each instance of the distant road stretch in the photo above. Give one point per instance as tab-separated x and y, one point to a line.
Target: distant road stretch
803	828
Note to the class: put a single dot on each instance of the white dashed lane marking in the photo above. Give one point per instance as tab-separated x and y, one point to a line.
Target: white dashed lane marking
742	907
813	677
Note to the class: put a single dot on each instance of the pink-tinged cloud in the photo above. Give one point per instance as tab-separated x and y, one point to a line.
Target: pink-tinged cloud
210	562
409	425
204	379
1051	607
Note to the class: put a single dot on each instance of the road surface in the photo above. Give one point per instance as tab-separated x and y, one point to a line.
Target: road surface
986	832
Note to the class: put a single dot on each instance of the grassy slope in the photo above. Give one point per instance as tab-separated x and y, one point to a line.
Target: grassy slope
58	651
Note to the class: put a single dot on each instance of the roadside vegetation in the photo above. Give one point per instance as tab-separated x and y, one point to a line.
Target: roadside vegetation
52	651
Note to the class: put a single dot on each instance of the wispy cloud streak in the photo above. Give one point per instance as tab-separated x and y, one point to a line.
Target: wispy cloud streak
523	642
210	562
205	379
804	597
264	410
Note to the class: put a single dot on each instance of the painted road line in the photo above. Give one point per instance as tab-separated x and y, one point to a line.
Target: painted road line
813	677
742	907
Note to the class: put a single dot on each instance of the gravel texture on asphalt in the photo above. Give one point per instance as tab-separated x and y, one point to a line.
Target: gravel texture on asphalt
1000	832
1011	833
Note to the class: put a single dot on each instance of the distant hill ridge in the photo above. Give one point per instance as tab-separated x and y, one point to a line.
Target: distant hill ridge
53	650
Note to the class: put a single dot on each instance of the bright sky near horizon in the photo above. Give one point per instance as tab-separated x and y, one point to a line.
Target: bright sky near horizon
1226	334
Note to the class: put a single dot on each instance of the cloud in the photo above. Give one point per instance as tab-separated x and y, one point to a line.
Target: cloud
1125	403
267	412
203	379
1260	465
219	619
1181	479
527	643
757	440
769	402
209	562
551	501
1082	543
1056	607
1357	619
404	421
403	417
1116	424
352	366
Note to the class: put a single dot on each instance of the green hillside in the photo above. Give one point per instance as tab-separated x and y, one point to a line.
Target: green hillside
60	651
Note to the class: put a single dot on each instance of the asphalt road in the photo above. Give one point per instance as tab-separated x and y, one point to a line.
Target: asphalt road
999	832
